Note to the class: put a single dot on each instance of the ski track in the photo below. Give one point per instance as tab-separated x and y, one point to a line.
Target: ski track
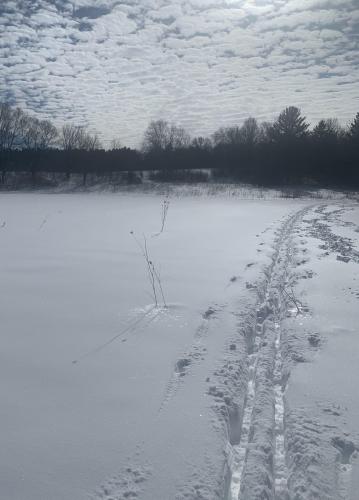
258	468
281	453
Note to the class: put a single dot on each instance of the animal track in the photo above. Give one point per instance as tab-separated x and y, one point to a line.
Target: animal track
128	484
195	354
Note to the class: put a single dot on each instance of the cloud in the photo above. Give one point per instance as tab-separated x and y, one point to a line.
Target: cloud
200	63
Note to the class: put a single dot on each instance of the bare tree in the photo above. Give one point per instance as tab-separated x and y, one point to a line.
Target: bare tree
227	135
89	142
5	124
202	143
47	134
178	138
156	136
160	136
31	132
71	137
249	132
116	143
77	138
265	132
10	126
18	129
14	135
19	121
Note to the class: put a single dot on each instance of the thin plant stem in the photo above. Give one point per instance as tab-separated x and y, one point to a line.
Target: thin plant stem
153	275
291	297
158	277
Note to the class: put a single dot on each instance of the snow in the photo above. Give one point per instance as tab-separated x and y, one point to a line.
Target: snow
105	396
326	389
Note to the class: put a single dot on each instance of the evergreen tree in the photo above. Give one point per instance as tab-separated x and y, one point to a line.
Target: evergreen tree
328	129
289	125
354	127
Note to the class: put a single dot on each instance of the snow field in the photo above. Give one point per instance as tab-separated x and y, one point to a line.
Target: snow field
227	393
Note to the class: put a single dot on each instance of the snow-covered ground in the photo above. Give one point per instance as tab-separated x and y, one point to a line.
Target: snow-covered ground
244	386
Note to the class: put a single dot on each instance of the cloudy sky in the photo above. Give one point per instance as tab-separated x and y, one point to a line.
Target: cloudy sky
115	65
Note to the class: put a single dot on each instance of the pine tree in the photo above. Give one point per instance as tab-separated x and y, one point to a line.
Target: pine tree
290	124
328	129
354	127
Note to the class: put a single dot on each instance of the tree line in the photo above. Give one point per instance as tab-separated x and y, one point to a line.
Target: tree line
285	151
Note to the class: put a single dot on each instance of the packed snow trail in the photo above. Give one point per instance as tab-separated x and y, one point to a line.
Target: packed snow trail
258	468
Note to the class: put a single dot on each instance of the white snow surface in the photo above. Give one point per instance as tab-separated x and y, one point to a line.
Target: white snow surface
243	387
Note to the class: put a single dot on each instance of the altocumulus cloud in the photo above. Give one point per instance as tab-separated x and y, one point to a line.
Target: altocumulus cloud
202	64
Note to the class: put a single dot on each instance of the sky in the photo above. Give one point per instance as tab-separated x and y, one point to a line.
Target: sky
201	64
